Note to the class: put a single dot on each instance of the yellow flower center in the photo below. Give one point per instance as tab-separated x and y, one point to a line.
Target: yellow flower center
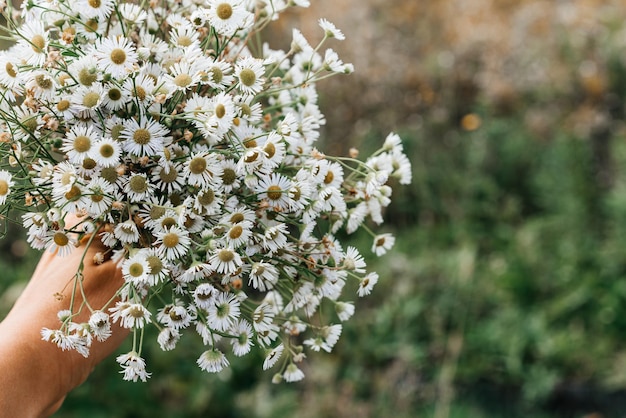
247	77
224	11
115	94
140	93
235	232
170	176
118	56
270	149
138	184
197	165
73	194
274	192
182	80
86	77
91	99
206	198
142	136
236	217
60	239
82	143
229	176
107	150
220	110
43	81
4	187
135	270
95	3
63	105
10	69
170	240
38	43
183	41
226	255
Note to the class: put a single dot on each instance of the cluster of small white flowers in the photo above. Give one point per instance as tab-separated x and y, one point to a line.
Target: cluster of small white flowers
189	150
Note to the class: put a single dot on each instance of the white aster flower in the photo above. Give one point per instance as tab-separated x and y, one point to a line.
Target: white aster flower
292	373
223	312
136	269
272	357
330	31
133	367
242	343
106	152
144	138
225	261
116	55
383	243
6	183
367	284
100	325
249	72
212	361
173	243
228	16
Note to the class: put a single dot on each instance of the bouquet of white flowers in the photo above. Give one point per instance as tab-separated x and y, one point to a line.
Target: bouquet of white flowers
170	132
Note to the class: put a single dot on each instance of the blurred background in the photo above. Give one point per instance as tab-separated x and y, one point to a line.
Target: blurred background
504	295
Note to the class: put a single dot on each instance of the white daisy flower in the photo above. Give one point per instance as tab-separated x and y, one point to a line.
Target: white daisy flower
228	16
98	195
135	315
98	9
184	36
249	72
100	325
217	75
10	73
173	243
117	56
140	88
136	269
212	361
33	43
367	284
292	373
224	311
132	13
202	169
275	189
242	343
126	232
263	276
225	261
353	260
159	270
144	138
78	143
86	100
383	243
42	85
133	367
170	179
272	357
60	243
238	234
344	310
106	152
330	31
6	183
168	338
115	97
204	295
138	188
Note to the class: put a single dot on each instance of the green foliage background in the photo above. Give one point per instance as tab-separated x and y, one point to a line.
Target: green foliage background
504	295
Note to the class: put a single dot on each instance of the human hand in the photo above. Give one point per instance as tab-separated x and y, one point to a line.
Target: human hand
37	375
